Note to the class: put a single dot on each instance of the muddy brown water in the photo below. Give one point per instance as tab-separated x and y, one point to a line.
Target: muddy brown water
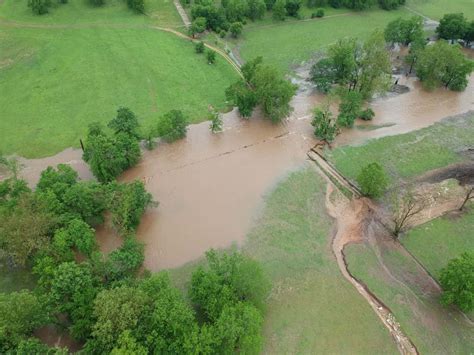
211	186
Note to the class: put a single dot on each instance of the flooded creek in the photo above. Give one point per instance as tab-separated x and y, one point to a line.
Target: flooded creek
211	186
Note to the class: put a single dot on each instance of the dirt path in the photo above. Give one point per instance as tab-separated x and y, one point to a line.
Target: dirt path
182	13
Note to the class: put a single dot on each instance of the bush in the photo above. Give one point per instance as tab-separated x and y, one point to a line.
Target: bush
236	29
222	33
372	180
200	47
39	7
349	108
172	126
367	114
97	2
137	5
319	13
211	56
325	126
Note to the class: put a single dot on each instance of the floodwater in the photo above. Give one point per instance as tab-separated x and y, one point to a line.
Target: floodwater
211	186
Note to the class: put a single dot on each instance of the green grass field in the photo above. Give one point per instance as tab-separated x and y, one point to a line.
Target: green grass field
55	81
436	242
411	154
433	328
435	9
289	43
159	12
312	308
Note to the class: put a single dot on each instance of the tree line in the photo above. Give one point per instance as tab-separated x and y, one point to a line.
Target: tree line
231	15
41	7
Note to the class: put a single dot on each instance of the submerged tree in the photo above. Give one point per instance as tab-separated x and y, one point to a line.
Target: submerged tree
325	126
216	121
452	27
443	64
172	126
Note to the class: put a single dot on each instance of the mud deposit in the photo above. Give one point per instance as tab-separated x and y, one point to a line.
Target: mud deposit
210	186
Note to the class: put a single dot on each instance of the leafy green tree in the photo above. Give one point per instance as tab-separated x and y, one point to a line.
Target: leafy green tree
216	121
116	311
457	281
137	5
373	180
416	47
72	291
358	4
228	279
325	126
236	29
236	10
391	4
58	180
127	203
273	92
469	34
39	7
215	18
200	47
452	26
34	346
443	64
25	229
242	97
210	56
125	122
171	320
21	313
279	10
256	9
11	190
127	344
76	235
129	148
238	329
349	108
97	2
343	56
269	4
293	7
404	31
323	74
103	156
198	26
87	200
126	260
172	126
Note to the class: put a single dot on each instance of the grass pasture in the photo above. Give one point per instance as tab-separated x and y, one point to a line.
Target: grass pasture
440	240
290	42
435	9
407	155
398	282
312	308
55	81
159	12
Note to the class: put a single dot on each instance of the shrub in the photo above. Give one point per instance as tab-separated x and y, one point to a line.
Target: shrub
211	56
236	29
200	47
172	126
222	33
367	114
39	7
319	13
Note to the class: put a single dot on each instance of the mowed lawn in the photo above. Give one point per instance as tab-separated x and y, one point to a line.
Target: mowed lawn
60	80
288	43
407	155
442	239
435	9
399	283
312	309
159	12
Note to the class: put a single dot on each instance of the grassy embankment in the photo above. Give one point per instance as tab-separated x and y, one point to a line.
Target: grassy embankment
393	276
82	63
408	155
312	308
